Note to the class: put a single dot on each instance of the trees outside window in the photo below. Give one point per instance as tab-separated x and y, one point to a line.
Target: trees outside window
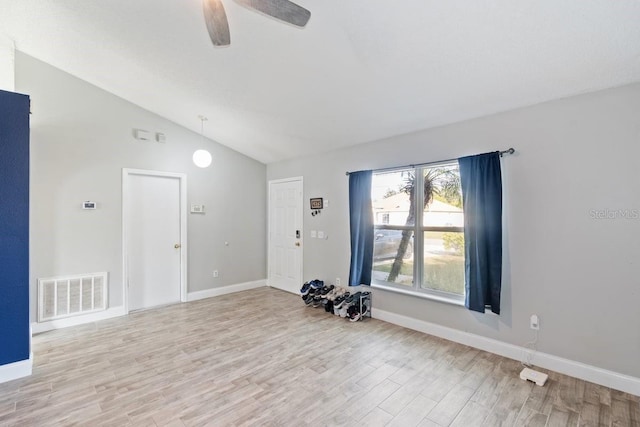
419	226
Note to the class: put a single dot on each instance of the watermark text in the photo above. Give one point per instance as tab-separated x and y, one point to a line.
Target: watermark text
614	213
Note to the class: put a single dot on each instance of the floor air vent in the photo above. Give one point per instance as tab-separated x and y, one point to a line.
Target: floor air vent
60	297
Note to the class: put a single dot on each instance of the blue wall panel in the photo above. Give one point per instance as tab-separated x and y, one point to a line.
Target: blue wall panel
14	227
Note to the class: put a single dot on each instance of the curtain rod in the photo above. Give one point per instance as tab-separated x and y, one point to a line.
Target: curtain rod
502	153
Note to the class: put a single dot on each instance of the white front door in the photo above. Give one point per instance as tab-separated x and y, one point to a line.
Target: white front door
285	234
153	239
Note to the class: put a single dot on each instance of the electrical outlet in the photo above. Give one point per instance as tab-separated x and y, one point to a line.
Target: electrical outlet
534	322
338	281
216	273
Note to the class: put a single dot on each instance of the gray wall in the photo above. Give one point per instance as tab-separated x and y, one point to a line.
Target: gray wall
81	138
579	274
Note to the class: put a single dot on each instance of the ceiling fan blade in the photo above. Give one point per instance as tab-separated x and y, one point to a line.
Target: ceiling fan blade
217	24
283	10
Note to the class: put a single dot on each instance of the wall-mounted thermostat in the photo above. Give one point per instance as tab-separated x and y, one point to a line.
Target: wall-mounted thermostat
197	208
142	135
89	205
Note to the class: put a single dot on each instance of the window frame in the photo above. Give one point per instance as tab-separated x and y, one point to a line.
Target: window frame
419	229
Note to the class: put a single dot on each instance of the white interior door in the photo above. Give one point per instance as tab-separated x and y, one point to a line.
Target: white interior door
285	234
154	241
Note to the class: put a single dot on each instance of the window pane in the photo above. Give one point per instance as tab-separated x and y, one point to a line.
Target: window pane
390	200
393	256
440	253
443	197
444	262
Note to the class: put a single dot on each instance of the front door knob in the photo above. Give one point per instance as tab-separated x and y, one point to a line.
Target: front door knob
177	246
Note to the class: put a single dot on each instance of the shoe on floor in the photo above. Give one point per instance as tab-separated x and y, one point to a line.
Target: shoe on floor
354	298
326	289
305	289
328	307
317	300
316	284
352	311
357	315
344	310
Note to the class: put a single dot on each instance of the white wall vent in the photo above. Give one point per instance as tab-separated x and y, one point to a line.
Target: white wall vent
60	297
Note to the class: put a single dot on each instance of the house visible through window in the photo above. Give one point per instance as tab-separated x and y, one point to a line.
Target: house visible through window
419	230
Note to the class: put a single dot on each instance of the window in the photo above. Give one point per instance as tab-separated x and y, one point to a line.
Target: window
419	230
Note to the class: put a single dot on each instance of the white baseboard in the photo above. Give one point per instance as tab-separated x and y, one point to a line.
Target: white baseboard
216	292
120	311
13	371
572	368
109	313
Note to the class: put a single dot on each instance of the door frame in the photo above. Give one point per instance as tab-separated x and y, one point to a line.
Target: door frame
182	178
269	254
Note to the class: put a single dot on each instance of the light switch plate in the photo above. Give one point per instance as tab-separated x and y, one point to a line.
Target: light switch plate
197	208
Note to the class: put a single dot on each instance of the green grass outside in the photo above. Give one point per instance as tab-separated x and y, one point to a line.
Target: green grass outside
443	273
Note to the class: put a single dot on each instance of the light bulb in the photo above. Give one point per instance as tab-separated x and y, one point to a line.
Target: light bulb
202	158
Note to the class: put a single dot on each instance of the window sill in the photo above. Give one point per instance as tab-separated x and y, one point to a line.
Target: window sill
424	295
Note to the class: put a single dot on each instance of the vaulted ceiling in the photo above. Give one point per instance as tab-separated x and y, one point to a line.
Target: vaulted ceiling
361	70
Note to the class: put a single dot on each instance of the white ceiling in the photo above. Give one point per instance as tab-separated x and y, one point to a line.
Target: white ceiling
361	70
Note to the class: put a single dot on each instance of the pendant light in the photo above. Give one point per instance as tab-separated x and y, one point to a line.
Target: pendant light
202	158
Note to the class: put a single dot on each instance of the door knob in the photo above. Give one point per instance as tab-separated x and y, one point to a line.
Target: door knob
297	243
177	246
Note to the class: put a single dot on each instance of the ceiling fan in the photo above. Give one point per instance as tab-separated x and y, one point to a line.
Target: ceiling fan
284	10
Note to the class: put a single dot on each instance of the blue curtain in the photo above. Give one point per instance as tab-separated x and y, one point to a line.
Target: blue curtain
481	181
361	222
15	337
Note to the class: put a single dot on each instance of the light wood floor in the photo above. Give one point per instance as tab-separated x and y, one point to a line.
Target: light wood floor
262	358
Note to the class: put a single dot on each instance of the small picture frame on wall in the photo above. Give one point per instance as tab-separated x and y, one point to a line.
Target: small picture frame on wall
316	203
